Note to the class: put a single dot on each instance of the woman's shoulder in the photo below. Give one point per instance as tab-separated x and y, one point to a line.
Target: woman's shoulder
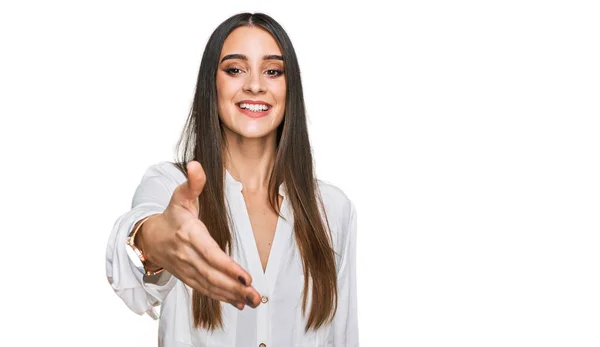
340	215
166	171
336	201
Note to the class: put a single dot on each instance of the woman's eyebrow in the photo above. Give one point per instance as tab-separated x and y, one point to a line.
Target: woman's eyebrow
243	57
273	57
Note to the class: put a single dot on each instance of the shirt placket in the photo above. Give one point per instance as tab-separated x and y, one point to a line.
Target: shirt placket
264	281
262	324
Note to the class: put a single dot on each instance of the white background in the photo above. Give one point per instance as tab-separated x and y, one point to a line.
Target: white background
466	133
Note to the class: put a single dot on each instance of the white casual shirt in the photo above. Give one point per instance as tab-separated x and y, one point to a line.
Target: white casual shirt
278	320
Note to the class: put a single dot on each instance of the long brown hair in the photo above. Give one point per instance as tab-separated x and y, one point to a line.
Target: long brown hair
203	140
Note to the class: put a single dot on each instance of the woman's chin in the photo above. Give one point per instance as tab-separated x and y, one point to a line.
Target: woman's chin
254	132
252	128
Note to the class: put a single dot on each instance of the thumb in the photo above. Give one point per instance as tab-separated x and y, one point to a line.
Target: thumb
189	191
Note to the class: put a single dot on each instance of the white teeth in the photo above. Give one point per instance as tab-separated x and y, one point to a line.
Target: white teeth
254	107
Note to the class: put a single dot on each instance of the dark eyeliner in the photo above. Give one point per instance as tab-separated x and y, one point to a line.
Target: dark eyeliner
230	72
278	72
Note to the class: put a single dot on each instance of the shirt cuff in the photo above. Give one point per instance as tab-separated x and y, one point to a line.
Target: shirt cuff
150	282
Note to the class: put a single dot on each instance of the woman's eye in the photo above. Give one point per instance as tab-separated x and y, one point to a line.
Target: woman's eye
274	73
233	71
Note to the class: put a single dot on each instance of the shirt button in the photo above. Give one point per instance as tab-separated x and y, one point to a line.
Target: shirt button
264	300
262	345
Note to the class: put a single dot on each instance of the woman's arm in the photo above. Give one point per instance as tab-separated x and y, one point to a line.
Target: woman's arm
139	292
345	322
175	240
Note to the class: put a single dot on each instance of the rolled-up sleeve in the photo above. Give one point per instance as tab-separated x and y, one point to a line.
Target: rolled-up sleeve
345	322
139	292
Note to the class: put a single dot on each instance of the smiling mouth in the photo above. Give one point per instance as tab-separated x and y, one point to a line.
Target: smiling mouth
254	107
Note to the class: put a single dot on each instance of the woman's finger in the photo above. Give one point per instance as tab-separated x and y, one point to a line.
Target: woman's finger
214	280
216	258
214	294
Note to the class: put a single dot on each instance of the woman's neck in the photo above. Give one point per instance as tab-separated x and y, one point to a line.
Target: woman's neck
250	160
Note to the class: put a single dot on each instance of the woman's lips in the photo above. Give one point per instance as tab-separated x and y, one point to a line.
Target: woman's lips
253	114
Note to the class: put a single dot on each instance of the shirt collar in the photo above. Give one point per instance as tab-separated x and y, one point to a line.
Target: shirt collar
231	182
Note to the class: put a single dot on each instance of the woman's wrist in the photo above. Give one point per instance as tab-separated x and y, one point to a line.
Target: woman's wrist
144	240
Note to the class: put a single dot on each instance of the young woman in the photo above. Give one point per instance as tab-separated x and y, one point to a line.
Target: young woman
240	218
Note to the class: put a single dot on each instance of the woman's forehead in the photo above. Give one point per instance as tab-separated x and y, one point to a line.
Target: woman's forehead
252	42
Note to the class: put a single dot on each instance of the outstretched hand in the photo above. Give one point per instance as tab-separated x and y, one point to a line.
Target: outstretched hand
180	243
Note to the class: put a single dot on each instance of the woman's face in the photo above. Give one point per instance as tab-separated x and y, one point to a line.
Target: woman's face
251	83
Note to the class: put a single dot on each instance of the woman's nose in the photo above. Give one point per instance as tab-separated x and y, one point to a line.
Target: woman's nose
254	83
